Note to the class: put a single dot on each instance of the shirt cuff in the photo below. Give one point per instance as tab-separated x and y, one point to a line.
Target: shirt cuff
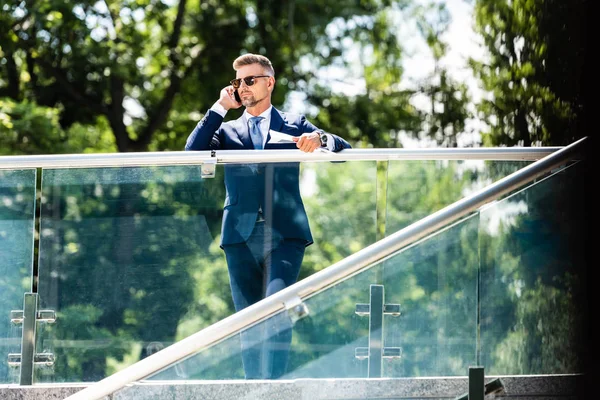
219	109
330	142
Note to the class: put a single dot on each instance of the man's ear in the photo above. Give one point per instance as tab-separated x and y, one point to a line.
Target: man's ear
271	83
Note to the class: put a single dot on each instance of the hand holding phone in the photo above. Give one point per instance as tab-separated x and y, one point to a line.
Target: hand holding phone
230	98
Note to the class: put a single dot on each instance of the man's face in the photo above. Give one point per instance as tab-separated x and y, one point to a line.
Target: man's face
260	91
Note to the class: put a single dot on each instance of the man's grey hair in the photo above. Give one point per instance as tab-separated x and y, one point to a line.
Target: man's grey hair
249	59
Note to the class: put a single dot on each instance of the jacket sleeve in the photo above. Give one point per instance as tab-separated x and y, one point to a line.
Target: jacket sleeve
207	135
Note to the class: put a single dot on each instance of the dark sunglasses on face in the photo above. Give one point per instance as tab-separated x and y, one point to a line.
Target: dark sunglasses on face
249	80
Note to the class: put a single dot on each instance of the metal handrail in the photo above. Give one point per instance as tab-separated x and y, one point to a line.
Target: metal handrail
319	281
163	158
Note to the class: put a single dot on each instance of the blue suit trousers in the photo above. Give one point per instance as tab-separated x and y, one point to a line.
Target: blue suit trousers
263	265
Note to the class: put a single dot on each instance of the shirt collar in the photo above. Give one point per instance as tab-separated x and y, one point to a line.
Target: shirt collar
265	114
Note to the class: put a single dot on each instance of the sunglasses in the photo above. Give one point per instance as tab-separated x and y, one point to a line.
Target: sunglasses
249	80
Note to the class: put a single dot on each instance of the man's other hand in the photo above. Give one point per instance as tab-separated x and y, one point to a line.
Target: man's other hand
308	142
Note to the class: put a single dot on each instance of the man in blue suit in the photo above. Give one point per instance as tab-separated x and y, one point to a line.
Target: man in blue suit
265	229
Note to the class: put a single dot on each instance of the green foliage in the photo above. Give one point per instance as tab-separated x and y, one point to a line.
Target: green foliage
27	128
536	55
549	324
146	71
352	226
78	324
371	120
449	99
167	60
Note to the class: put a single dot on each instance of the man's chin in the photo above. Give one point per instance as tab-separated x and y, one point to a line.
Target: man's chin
249	102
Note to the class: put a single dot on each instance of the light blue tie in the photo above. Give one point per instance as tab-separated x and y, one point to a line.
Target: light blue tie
257	139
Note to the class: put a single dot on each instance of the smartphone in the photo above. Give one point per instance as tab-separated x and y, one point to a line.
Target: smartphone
237	96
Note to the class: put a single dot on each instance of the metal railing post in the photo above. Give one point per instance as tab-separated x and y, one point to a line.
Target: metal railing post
28	338
28	357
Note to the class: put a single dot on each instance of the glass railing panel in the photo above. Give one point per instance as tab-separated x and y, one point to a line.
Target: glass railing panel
121	250
130	258
340	201
435	284
533	278
416	189
433	281
17	217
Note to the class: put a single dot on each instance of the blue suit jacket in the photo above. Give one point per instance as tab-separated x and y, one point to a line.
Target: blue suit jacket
273	187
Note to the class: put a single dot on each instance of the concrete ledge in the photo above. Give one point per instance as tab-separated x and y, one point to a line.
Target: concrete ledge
40	392
537	387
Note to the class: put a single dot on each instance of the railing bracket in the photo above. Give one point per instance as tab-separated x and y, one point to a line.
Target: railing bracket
296	309
376	351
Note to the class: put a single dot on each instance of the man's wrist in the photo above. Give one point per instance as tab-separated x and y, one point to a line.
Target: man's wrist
219	109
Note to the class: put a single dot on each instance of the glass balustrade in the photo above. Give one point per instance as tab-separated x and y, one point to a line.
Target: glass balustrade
503	288
129	259
434	283
17	217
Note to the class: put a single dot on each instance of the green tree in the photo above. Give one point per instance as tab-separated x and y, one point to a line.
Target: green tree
376	116
27	128
533	303
536	59
149	68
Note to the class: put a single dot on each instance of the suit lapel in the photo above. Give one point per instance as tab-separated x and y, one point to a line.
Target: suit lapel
277	120
241	128
277	123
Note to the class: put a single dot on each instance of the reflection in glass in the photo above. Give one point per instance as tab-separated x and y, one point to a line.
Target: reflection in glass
417	189
435	283
533	278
